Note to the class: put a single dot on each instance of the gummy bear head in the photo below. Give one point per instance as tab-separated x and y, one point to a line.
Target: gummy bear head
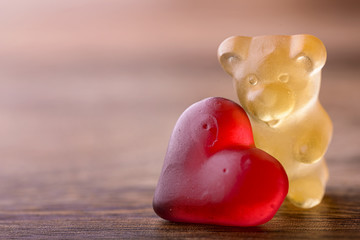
274	76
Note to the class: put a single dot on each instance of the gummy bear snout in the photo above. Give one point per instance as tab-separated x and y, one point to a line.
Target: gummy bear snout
270	102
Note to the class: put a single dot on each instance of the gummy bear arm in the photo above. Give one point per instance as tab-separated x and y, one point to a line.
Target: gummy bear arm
313	143
325	126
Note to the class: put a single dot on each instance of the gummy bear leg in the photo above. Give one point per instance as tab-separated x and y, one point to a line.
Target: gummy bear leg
308	191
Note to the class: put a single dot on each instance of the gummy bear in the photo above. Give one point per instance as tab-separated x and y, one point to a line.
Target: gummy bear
277	80
214	174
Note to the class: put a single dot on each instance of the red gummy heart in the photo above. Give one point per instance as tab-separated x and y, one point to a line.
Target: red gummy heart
214	174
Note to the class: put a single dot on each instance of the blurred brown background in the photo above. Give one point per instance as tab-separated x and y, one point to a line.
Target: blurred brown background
90	92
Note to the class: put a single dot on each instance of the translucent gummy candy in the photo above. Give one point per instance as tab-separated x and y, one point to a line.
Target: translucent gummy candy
213	173
277	80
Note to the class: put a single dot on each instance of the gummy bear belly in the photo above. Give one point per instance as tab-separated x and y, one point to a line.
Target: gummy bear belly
280	147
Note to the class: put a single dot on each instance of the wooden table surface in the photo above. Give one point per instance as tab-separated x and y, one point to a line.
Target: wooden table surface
86	112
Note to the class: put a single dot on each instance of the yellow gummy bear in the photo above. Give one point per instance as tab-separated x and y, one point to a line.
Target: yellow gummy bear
277	80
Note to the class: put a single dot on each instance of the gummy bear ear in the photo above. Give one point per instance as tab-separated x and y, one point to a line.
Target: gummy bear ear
232	51
309	51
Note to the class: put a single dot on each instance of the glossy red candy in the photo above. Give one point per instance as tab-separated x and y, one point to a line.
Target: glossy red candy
214	174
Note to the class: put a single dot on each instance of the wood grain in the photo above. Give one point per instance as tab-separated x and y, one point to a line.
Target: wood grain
89	96
337	217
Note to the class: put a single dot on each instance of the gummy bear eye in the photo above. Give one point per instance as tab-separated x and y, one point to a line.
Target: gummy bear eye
283	77
252	79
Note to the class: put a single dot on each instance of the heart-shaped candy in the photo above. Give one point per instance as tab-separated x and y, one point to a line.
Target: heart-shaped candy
213	173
